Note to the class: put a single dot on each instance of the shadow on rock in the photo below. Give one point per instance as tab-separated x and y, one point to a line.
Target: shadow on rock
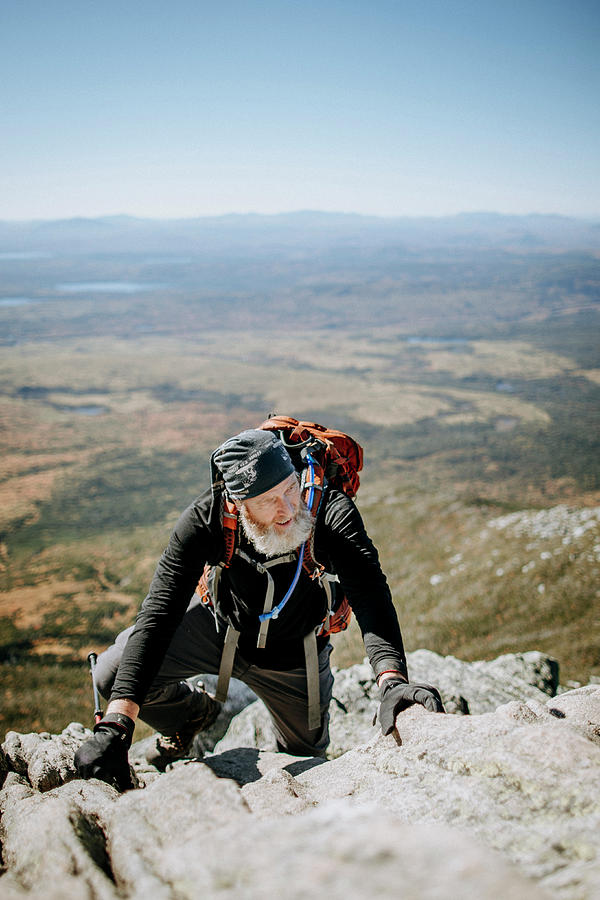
248	764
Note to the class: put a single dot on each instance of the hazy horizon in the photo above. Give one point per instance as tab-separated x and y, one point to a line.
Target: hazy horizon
474	213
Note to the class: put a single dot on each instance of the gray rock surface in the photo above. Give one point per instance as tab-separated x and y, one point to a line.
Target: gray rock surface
149	828
46	760
485	685
528	786
55	841
336	852
502	803
580	710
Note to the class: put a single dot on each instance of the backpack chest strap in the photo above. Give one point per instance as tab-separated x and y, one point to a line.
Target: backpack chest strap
263	568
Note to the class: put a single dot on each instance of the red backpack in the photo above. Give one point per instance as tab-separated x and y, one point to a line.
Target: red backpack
340	455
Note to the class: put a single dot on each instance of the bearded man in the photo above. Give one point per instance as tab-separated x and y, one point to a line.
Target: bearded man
177	636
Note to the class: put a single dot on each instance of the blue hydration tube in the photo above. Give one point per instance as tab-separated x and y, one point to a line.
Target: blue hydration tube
277	609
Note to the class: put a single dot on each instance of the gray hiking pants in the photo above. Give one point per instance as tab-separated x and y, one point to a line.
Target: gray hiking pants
196	650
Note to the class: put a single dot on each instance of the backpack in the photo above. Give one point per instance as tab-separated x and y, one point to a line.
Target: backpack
324	457
340	456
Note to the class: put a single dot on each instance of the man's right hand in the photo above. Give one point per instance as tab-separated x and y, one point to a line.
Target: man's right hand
104	755
398	695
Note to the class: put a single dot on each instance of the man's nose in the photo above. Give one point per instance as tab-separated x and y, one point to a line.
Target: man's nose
285	508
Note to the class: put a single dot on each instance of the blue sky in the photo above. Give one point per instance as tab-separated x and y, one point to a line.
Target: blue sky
381	107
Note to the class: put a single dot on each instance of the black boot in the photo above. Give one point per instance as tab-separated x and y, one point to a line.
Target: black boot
168	747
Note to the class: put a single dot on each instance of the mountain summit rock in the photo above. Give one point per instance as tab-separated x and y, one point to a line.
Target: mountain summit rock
500	802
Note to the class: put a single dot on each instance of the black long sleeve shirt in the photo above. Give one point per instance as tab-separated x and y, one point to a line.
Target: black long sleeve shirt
341	544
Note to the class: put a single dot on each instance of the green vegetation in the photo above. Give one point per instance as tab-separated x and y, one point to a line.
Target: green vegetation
14	641
117	490
477	590
44	697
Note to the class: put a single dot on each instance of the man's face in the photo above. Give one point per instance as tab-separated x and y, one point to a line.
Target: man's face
277	521
276	508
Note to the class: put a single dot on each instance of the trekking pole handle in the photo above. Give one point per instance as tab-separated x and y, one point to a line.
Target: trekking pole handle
97	708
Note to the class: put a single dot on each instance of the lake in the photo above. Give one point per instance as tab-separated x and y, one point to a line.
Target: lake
107	287
17	301
435	340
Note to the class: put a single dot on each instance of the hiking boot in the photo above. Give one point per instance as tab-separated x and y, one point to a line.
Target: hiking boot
169	747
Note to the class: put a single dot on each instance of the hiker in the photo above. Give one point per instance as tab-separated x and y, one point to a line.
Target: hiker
258	572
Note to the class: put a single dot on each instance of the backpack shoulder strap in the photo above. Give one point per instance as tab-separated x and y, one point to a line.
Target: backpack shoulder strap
312	489
207	586
230	526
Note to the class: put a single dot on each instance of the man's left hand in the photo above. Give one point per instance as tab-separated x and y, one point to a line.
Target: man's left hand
398	696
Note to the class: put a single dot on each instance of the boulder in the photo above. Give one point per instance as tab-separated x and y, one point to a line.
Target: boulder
579	709
485	685
502	803
529	787
54	842
46	760
338	852
148	829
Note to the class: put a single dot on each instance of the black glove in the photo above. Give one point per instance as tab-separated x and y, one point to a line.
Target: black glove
104	756
397	696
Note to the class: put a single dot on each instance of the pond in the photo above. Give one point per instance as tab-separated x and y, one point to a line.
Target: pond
85	410
436	340
17	301
107	287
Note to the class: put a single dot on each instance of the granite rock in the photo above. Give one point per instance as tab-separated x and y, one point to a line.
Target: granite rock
500	803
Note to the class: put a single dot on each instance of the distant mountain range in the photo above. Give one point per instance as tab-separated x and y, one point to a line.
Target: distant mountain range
304	229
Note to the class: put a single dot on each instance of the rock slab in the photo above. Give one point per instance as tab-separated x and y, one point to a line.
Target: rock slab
500	803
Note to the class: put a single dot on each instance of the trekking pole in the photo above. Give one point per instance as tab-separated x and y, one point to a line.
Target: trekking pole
97	709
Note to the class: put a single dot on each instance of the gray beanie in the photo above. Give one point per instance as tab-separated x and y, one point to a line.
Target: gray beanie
251	463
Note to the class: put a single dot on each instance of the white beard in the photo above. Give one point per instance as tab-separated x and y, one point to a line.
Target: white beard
269	542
